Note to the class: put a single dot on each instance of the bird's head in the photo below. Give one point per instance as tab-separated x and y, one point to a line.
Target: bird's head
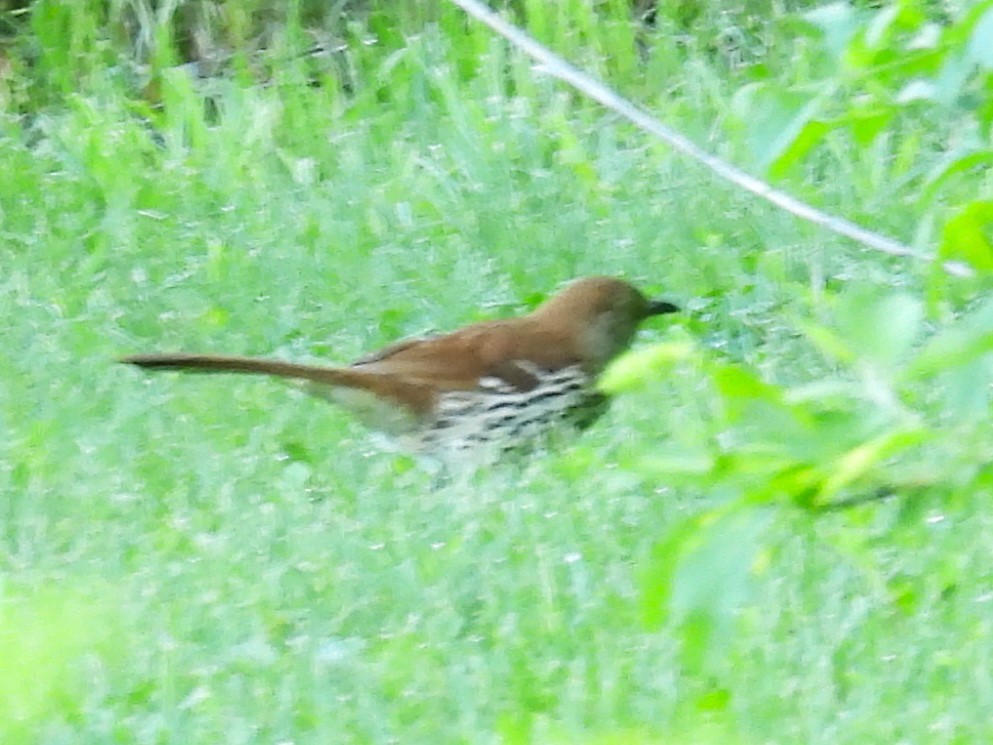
601	315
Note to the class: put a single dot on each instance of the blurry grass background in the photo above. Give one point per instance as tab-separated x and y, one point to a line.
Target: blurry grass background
221	560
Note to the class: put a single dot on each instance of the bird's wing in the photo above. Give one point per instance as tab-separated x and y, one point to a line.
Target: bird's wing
485	355
394	349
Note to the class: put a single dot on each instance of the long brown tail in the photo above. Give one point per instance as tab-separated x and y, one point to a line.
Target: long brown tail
411	395
248	365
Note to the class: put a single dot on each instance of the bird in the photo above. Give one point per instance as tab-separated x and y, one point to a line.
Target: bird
493	386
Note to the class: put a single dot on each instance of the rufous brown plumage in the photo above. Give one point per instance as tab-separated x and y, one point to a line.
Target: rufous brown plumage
492	384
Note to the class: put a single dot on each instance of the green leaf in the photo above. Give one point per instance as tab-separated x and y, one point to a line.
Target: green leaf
838	22
957	163
861	459
736	382
810	134
658	574
878	28
634	369
866	125
757	405
700	574
961	344
880	329
833	392
917	90
779	123
966	389
677	465
828	343
956	70
980	46
968	236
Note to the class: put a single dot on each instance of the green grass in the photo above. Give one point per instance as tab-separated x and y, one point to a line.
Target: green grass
212	560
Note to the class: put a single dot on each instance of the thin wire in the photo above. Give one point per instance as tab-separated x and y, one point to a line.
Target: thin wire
559	68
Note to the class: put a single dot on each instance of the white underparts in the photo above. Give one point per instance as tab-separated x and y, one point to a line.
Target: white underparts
503	416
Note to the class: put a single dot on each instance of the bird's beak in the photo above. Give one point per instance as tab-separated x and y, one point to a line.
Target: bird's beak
661	307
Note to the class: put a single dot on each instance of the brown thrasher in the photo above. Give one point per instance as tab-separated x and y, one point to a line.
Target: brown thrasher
497	383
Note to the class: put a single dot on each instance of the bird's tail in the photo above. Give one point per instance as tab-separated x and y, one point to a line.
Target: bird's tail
413	397
215	363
